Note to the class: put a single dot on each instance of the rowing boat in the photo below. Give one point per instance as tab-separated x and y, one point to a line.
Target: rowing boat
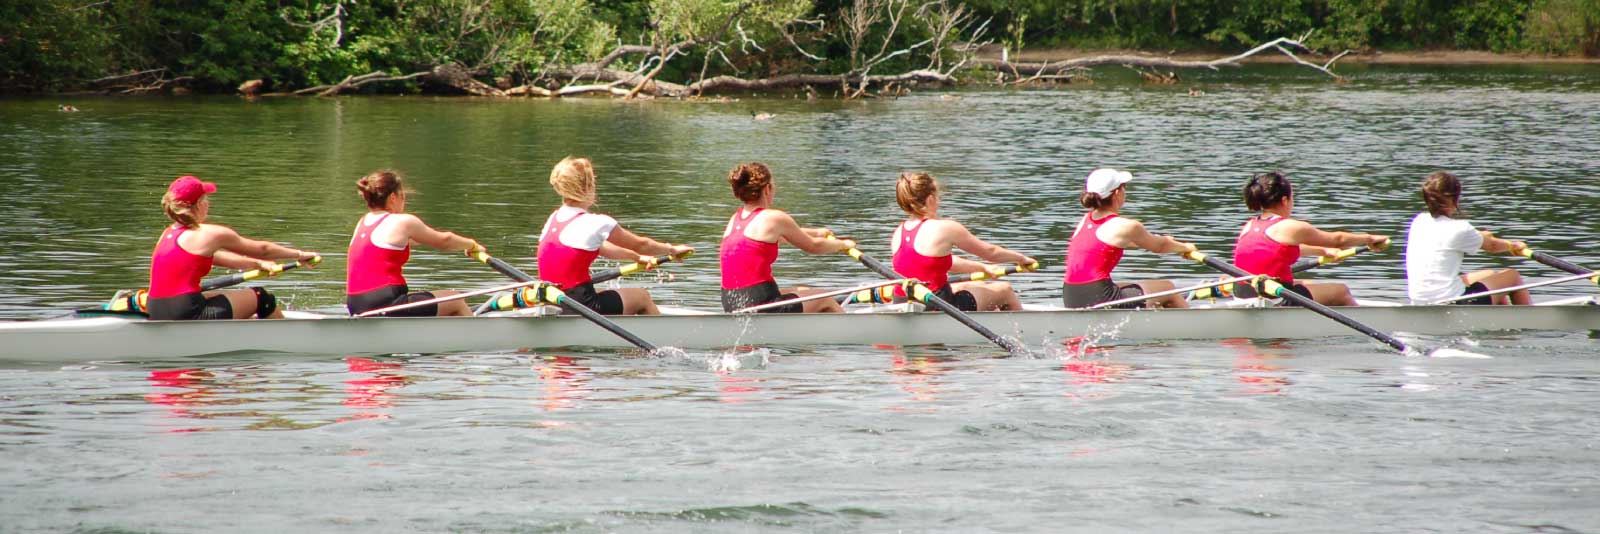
118	338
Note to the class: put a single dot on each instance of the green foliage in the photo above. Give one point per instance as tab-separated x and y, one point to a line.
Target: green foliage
48	45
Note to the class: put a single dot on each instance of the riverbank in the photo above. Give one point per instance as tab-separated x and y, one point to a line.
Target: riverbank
1411	57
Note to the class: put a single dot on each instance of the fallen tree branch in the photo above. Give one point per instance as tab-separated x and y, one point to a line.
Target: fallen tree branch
1151	62
352	82
730	83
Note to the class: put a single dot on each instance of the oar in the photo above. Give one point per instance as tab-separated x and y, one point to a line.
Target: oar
551	294
818	296
1553	261
457	296
990	275
1180	290
613	274
918	291
240	278
1273	288
1511	289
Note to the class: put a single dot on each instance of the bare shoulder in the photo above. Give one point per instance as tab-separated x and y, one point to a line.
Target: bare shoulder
209	231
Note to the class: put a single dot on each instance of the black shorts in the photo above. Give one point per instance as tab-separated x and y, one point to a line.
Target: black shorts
190	307
1476	287
1245	291
756	295
1092	293
606	302
962	300
387	296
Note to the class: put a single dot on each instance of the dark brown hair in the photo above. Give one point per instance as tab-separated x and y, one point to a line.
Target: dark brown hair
749	180
1094	201
1266	190
180	212
376	188
913	190
1441	191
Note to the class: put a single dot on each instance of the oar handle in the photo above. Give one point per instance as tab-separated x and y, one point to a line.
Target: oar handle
246	276
1274	288
1345	254
1530	253
996	273
609	275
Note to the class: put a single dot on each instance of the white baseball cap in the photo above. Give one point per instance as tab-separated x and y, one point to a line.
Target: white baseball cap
1103	181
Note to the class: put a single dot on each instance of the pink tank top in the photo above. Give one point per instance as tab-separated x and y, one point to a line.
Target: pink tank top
1258	254
1088	258
933	271
369	266
564	266
173	270
745	261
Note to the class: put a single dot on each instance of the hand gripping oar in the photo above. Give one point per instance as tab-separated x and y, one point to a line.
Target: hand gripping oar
1273	288
552	295
866	295
240	278
1528	252
918	291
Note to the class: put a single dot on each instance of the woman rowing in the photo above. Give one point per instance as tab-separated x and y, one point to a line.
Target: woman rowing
923	247
572	238
1438	239
750	246
381	246
190	247
1097	246
1271	241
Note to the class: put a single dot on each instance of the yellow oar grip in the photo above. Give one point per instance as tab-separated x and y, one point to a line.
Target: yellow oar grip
1380	246
1196	256
1029	267
854	253
480	255
315	260
1526	252
680	257
1272	287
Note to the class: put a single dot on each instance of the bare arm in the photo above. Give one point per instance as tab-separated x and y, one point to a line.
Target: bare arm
229	260
810	240
643	245
610	251
984	249
1159	244
962	265
1495	245
225	239
422	233
1302	233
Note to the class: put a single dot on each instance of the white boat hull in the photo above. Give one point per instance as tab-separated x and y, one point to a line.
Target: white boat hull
115	338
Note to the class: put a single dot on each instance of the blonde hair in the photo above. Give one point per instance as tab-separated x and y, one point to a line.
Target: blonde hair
913	190
750	180
376	187
183	213
573	179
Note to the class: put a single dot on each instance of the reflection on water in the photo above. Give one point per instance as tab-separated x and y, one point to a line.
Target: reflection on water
1257	370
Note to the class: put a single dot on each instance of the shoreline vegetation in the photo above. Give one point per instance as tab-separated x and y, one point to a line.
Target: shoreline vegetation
691	48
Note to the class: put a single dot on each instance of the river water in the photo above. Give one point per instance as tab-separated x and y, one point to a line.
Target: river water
1334	434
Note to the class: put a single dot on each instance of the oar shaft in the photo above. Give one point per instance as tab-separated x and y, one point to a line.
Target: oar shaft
818	296
1513	289
937	303
563	301
1303	301
612	274
457	296
1177	291
986	275
1554	261
240	278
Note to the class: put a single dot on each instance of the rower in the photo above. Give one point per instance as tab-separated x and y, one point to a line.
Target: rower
1270	242
750	246
381	246
572	237
1438	239
923	247
190	247
1097	246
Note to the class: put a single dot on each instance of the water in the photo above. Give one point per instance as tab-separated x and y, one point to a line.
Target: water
1337	434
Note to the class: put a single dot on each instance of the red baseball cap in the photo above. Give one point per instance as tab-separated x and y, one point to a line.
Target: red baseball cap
190	189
